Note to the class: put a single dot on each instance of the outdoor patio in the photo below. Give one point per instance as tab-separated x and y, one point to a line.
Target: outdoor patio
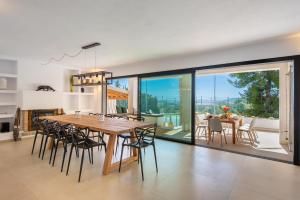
267	145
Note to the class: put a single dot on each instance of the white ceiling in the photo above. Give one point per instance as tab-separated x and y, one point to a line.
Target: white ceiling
134	30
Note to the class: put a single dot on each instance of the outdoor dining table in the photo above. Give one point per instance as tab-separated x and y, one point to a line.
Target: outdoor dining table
109	126
231	121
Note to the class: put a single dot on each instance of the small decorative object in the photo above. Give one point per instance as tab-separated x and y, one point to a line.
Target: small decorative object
16	130
227	114
71	86
82	90
101	117
3	83
77	114
45	88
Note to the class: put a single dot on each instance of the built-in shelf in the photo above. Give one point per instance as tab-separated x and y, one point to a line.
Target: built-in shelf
7	104
85	110
3	116
8	99
8	91
87	94
78	93
71	93
8	75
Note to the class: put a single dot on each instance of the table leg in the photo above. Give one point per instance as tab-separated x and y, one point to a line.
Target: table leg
109	154
209	133
108	165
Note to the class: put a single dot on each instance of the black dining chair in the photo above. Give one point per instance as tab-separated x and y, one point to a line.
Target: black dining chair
39	126
81	140
144	139
50	131
126	136
99	135
61	135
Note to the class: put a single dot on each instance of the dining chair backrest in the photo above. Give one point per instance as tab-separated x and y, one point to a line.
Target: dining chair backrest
146	134
36	123
136	118
50	126
197	119
215	125
78	134
252	123
109	115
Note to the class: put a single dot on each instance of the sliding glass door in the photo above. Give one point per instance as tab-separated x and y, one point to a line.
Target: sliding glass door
166	100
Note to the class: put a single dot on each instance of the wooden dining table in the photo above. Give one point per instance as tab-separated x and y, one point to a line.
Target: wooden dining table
233	123
109	126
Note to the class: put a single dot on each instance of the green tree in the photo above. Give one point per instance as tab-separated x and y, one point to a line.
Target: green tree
261	91
117	84
149	102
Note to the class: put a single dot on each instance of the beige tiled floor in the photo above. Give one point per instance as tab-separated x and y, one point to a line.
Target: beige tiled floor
185	172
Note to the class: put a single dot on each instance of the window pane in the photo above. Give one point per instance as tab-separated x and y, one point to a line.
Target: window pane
166	100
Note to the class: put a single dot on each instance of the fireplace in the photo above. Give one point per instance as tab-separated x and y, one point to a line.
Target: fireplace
29	115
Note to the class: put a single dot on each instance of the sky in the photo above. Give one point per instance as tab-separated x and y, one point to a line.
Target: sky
169	87
205	87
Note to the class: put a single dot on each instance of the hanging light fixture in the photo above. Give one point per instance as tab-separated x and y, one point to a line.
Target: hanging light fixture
92	78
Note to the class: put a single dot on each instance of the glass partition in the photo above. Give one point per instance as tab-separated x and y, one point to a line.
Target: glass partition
166	100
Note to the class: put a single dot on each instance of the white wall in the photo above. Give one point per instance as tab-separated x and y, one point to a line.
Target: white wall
258	50
32	74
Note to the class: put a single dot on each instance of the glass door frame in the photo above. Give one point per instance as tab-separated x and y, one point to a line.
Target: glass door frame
169	73
295	111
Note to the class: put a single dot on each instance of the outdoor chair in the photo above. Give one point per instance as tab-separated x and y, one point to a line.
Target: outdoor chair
215	125
249	129
201	127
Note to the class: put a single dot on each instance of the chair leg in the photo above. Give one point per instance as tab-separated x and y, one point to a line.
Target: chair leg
77	152
104	147
221	139
56	146
99	141
121	157
45	146
224	137
64	156
154	150
92	155
89	152
117	145
52	149
41	145
70	156
140	155
250	137
196	131
82	158
34	142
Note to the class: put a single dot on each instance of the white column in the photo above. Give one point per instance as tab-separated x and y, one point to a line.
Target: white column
185	102
132	94
284	103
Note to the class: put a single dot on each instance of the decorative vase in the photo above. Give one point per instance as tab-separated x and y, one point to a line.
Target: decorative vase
3	83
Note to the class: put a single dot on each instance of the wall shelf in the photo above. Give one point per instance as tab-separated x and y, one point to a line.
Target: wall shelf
8	91
4	116
8	95
5	75
8	104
